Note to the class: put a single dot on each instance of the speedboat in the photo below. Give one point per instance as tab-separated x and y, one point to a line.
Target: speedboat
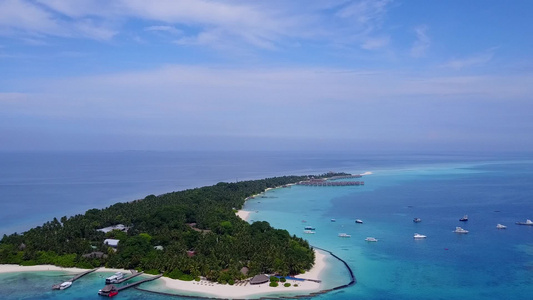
419	236
500	226
359	221
65	285
464	218
417	220
344	235
114	278
527	222
309	228
460	230
109	291
371	239
309	231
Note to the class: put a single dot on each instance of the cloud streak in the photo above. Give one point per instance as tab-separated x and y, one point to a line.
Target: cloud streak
422	42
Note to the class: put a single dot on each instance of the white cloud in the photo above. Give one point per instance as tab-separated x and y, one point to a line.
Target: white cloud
375	43
164	28
471	61
422	42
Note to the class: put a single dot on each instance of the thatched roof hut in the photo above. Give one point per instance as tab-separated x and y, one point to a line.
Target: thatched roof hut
245	270
258	279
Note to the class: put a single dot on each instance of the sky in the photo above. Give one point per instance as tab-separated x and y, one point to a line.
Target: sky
266	75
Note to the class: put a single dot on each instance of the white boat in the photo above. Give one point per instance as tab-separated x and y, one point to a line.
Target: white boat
464	218
500	226
65	285
333	220
417	220
344	235
419	236
359	221
309	231
527	222
114	278
460	230
371	239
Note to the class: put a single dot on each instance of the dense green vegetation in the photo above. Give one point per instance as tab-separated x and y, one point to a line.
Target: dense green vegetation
219	243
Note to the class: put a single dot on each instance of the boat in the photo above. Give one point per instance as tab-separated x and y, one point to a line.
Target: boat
309	231
333	220
371	239
417	220
419	236
108	291
527	222
464	218
344	235
65	285
500	226
309	228
114	278
359	221
460	230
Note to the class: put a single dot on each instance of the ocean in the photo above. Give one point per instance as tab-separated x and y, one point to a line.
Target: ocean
486	263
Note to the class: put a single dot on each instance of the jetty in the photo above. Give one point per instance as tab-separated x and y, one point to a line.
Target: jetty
324	182
111	290
58	286
133	274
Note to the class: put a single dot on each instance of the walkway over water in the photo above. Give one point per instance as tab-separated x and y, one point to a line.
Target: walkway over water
56	286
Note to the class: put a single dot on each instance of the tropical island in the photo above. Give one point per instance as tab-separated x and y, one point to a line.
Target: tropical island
188	235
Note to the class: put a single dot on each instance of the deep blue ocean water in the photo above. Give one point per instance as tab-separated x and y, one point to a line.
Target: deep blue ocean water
486	263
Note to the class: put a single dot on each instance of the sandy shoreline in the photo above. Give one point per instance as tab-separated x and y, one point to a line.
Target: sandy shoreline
39	268
244	291
205	287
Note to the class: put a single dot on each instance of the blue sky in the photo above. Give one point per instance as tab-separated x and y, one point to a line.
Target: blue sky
273	75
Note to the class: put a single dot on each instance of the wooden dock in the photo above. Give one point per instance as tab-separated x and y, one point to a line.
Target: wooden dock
138	282
56	286
111	290
133	274
330	183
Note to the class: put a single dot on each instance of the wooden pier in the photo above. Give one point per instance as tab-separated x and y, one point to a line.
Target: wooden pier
330	183
111	290
57	286
133	274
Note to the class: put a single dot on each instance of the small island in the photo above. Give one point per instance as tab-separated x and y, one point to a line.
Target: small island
192	235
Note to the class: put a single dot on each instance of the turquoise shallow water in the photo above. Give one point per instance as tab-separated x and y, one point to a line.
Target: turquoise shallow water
484	264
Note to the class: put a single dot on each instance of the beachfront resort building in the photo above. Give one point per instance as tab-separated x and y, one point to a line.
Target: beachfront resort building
111	242
259	279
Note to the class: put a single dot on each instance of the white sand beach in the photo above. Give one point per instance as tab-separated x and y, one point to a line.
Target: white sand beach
247	290
206	287
38	268
244	214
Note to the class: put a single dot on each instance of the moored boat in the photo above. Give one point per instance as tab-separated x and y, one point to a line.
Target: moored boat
114	278
527	222
460	230
417	220
309	231
108	291
344	235
333	220
464	218
371	239
419	236
500	226
309	228
65	285
359	221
